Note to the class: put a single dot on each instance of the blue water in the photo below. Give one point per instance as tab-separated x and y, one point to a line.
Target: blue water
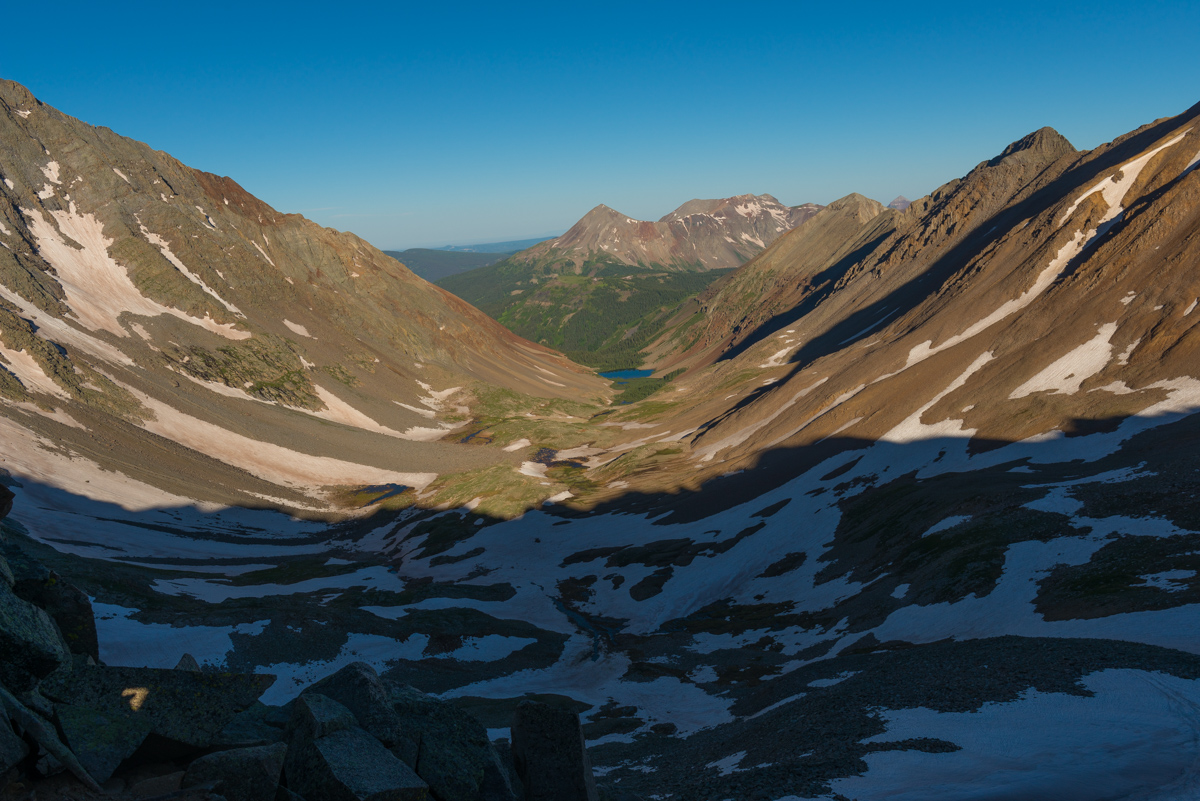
623	376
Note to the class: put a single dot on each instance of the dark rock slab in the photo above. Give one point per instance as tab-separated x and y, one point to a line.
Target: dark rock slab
187	708
12	748
358	688
29	643
156	786
187	662
314	716
67	605
285	794
254	726
549	754
240	774
349	765
455	755
100	741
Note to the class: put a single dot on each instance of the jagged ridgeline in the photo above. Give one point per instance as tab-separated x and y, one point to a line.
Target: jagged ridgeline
602	291
918	517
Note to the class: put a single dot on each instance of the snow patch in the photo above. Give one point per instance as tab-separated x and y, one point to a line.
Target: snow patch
1067	374
51	172
165	248
911	429
1170	580
532	469
1113	188
296	328
946	524
270	462
264	255
26	368
98	290
1132	736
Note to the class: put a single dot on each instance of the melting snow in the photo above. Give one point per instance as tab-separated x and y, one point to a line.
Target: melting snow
948	523
98	289
121	175
1133	736
1011	307
270	462
728	765
56	330
51	172
298	329
518	445
778	358
338	411
31	374
128	642
912	429
264	255
1170	580
1113	188
1067	374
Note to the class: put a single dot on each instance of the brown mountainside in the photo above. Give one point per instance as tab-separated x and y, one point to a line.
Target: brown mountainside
145	299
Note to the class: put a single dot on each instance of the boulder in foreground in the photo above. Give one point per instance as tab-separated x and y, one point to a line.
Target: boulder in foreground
549	754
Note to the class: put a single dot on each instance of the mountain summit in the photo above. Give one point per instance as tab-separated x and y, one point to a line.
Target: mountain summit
603	289
700	234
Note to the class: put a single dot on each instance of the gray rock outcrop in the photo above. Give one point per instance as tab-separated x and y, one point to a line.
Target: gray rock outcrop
187	708
30	642
330	758
100	741
239	774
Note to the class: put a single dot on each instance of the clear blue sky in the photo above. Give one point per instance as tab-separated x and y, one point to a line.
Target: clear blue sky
417	126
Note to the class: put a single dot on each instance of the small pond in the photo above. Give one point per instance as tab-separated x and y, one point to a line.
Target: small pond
624	376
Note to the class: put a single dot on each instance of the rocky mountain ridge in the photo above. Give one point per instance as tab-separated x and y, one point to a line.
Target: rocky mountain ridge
701	234
604	289
182	317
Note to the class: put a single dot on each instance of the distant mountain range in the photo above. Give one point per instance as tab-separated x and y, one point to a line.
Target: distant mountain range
699	235
603	289
496	247
433	265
